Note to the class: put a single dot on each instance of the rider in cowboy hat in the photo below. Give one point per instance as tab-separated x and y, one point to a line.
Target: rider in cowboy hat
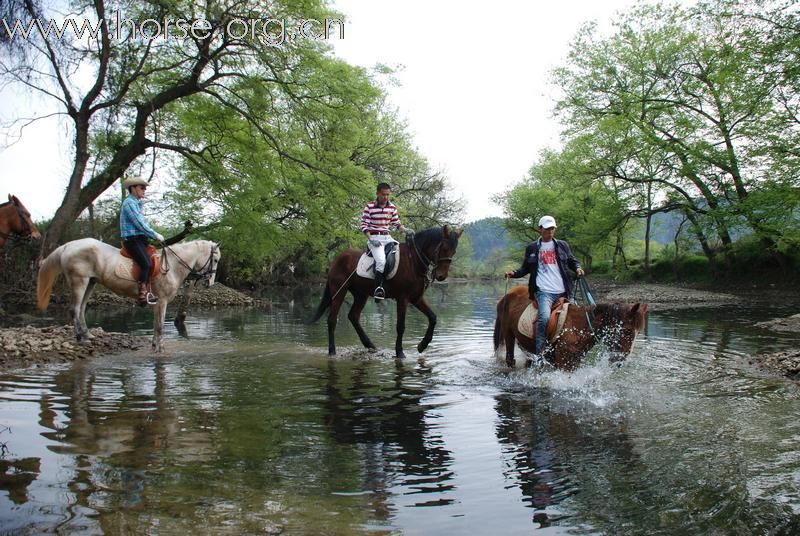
135	232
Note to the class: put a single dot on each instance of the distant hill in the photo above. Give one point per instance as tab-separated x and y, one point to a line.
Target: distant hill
488	238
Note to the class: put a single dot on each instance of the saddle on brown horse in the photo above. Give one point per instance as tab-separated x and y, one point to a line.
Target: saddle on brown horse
528	319
154	261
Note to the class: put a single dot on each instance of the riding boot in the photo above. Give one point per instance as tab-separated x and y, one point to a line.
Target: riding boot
380	292
142	300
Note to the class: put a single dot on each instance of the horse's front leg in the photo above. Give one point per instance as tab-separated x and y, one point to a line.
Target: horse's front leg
159	312
359	301
422	305
402	307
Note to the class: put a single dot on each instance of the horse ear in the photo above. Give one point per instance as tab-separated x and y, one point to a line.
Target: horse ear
459	232
13	199
446	231
9	198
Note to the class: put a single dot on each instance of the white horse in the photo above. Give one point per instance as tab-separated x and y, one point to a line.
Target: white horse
88	261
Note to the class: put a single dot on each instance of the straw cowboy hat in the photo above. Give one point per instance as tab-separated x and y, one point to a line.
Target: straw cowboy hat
134	181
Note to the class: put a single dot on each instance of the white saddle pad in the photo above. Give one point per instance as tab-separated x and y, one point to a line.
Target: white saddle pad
366	265
124	268
528	317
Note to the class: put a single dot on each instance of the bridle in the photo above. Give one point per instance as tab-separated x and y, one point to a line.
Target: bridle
428	263
27	229
607	324
194	275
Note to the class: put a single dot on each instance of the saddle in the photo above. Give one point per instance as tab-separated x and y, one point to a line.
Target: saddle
366	264
558	315
128	269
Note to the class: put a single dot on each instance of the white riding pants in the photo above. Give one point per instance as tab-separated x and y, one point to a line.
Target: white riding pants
377	251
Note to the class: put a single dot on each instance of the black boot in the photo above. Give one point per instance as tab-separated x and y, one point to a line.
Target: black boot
142	298
379	293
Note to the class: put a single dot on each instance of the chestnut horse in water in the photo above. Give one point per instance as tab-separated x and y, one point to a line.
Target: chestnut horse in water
614	324
429	250
15	220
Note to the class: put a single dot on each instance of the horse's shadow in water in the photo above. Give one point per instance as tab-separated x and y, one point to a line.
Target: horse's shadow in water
615	324
385	414
541	443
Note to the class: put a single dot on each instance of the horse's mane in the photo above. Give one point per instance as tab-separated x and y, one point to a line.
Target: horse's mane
612	313
434	235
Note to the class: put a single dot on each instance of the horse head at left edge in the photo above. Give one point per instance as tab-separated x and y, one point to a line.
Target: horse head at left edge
15	221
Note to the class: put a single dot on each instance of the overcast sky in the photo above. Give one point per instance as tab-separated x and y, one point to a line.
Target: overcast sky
474	89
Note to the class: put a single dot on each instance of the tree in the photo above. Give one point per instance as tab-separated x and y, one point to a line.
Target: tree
588	212
121	92
693	89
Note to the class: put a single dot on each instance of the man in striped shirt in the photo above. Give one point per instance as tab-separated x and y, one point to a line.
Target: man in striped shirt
376	220
135	232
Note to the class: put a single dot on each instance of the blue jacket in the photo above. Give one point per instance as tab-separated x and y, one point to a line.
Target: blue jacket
131	219
530	265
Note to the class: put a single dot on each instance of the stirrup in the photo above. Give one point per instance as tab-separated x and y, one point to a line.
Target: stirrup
379	293
152	299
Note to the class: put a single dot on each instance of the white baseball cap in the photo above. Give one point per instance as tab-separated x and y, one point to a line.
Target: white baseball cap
547	222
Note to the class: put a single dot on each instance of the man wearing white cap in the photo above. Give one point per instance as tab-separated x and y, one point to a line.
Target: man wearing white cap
135	232
547	260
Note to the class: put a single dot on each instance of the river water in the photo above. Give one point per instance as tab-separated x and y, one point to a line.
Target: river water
247	427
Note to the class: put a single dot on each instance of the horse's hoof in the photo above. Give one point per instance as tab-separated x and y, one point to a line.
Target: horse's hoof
401	355
421	347
372	349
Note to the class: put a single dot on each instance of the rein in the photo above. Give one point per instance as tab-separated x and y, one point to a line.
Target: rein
614	313
194	275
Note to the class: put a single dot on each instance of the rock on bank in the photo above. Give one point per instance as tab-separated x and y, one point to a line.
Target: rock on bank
32	346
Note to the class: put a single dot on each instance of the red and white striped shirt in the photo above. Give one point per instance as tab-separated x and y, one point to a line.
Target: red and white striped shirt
378	219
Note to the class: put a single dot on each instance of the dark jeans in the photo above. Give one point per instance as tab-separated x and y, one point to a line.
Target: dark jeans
137	247
546	301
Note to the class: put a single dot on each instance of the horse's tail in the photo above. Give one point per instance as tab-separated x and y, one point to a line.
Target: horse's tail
323	305
498	322
49	270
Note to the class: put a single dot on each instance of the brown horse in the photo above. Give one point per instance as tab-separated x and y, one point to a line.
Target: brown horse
15	221
616	325
429	250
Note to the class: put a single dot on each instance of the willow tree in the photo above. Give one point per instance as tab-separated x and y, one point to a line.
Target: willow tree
120	85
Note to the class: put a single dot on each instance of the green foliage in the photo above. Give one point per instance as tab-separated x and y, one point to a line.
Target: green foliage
692	110
561	185
285	204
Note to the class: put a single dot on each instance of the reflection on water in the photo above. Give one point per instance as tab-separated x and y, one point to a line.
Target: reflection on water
248	427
